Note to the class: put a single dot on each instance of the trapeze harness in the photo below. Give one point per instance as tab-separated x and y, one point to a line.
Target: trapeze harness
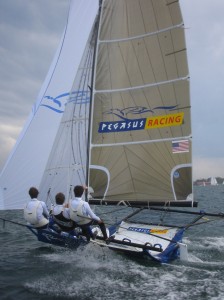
31	215
77	214
63	222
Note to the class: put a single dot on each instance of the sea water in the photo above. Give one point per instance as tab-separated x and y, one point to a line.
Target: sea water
32	270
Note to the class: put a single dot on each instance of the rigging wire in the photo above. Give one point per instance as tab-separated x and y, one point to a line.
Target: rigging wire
77	99
78	134
94	42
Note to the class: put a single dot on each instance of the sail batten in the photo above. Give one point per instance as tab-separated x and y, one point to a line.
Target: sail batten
141	142
143	35
144	86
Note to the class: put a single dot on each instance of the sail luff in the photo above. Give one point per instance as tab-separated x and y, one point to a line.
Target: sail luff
89	146
92	98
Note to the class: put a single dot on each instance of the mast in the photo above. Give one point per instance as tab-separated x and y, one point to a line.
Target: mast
95	34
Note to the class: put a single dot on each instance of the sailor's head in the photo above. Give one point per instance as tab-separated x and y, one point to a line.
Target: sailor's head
78	190
60	198
33	192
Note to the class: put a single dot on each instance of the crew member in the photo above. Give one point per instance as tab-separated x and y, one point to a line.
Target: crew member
35	211
83	216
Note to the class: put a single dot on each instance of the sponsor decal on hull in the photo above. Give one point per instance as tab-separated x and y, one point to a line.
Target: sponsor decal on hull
148	231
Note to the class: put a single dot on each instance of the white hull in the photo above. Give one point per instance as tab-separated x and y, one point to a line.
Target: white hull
162	238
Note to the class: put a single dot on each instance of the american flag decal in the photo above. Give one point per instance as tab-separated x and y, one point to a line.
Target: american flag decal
180	146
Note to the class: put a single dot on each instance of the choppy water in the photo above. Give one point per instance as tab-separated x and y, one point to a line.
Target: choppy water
33	270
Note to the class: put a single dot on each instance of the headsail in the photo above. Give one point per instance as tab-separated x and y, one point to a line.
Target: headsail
140	148
67	164
29	157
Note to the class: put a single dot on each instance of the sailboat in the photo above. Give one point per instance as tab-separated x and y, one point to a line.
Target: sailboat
113	114
213	181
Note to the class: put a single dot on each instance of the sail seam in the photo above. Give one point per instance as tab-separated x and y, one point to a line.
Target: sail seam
141	142
142	35
144	86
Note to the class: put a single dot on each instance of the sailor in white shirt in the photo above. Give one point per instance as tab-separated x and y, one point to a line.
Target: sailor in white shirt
83	216
61	214
35	211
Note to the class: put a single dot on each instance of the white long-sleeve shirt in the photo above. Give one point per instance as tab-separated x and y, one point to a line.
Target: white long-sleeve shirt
41	210
86	210
59	208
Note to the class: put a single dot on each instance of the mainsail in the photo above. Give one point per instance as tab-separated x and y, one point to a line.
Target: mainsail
28	159
140	145
214	181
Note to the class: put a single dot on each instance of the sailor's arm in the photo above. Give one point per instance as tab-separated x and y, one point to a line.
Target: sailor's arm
91	213
45	210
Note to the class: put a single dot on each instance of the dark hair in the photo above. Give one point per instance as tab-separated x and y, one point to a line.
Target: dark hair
33	192
60	198
78	190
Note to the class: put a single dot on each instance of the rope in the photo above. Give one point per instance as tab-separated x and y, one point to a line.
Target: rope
49	196
13	222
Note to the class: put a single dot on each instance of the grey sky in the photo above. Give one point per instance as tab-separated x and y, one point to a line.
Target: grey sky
205	42
30	31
